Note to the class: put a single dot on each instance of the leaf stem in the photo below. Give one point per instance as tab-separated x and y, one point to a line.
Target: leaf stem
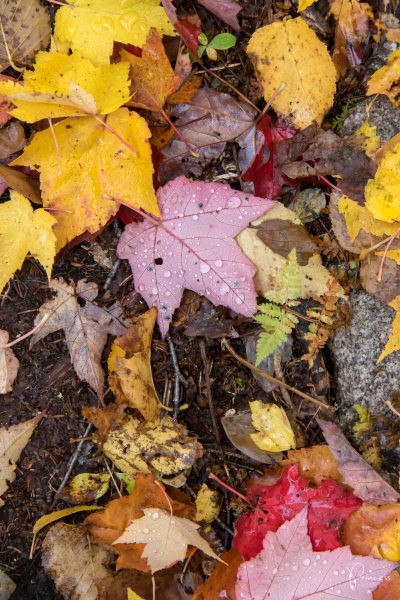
25	335
228	487
390	242
179	135
114	132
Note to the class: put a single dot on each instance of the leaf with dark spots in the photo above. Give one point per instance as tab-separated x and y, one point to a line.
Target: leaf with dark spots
282	236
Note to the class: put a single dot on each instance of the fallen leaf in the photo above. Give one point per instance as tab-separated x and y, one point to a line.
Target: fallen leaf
386	80
210	120
382	192
274	433
357	473
353	23
24	230
129	365
12	441
222	580
371	140
24	32
60	514
133	595
91	27
166	538
199	221
389	588
239	428
153	78
226	10
283	235
303	4
9	364
161	446
374	531
81	198
364	421
63	85
74	562
19	182
7	586
86	487
289	53
12	140
102	418
109	524
316	464
85	325
287	567
329	506
393	343
208	504
167	585
359	217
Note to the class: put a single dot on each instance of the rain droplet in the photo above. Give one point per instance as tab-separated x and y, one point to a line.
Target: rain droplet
155	516
295	567
233	202
154	291
238	300
324	562
195	217
224	289
167	274
167	294
218	263
141	288
204	267
306	562
145	530
336	573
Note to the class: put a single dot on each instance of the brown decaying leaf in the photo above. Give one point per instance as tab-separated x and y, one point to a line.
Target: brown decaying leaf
311	153
107	525
163	447
12	139
365	481
27	30
388	287
222	579
7	586
389	589
282	236
74	562
167	584
316	463
86	327
226	10
209	322
129	365
18	181
352	30
9	365
103	418
369	527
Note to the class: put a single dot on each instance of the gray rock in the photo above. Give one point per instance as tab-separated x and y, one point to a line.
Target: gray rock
381	113
355	350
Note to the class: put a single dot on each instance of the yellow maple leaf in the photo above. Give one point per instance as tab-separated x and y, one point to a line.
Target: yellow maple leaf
295	66
382	193
386	80
90	169
63	85
274	433
24	230
133	595
393	343
92	26
358	217
371	140
303	4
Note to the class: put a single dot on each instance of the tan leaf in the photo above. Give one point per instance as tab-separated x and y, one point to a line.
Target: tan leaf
130	367
74	562
12	441
166	538
9	365
316	463
85	327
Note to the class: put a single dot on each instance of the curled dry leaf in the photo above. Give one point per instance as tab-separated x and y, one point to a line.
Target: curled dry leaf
290	59
129	365
166	538
74	562
161	446
24	31
85	325
357	473
9	364
287	567
12	441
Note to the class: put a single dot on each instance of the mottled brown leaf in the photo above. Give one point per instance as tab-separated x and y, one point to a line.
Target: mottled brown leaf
284	235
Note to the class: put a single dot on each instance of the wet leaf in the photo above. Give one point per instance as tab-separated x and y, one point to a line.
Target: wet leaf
226	10
316	463
21	183
208	504
277	51
274	433
9	364
175	532
86	487
386	80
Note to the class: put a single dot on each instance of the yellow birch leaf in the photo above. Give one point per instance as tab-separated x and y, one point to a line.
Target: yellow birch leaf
133	595
303	4
274	433
129	365
393	343
60	514
371	140
358	217
92	26
208	504
63	85
24	230
386	80
289	54
382	193
91	167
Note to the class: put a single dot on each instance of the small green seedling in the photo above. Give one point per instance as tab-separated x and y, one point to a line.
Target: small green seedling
222	41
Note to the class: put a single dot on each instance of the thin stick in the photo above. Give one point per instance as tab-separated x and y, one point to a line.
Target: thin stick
112	476
393	237
178	133
71	465
330	184
29	333
179	378
272	379
231	86
228	487
166	496
114	132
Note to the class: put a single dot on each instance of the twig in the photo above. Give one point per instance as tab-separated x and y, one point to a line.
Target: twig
231	86
391	240
115	267
179	378
272	379
112	476
71	465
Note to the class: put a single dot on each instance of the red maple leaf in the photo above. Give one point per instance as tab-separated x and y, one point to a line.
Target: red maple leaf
192	246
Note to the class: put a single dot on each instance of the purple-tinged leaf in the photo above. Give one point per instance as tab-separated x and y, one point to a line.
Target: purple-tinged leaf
192	246
226	10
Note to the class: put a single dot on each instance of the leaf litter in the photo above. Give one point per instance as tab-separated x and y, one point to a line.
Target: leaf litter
131	109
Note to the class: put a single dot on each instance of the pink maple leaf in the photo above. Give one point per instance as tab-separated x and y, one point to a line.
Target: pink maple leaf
288	569
192	246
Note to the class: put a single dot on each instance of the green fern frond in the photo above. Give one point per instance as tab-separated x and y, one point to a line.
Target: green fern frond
287	281
277	325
